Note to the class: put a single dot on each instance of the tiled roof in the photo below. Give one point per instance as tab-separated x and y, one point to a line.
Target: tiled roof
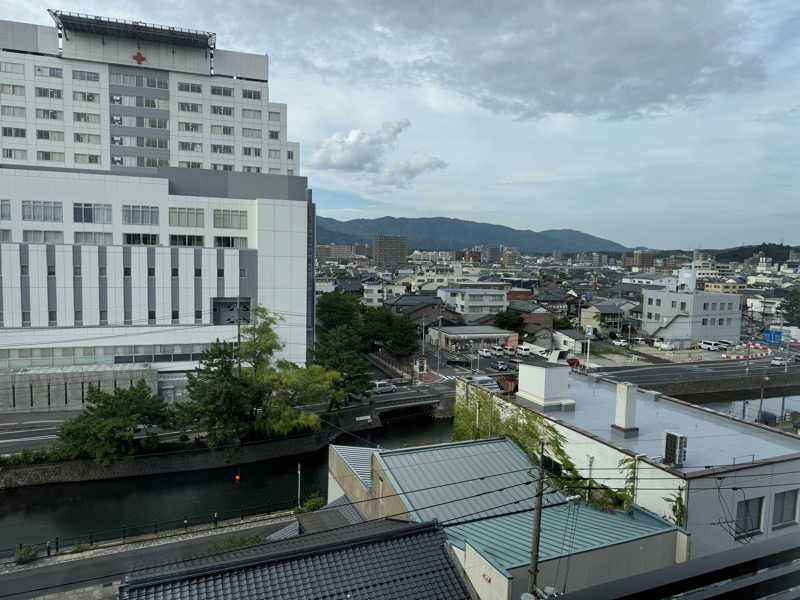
403	561
358	459
437	469
505	541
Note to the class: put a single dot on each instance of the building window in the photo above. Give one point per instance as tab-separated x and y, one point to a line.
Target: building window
42	210
220	272
657	316
139	215
274	116
5	235
290	171
86	75
190	146
705	305
658	301
49	135
26	318
51	270
15	154
151	271
187	164
85	97
230	219
683	306
221	130
251	133
83	117
33	236
174	271
12	111
12	90
274	171
190	127
76	271
275	154
221	149
230	242
224	111
52	317
5	209
103	317
50	115
785	509
23	270
748	516
49	72
704	321
126	271
140	239
186	217
251	151
17	132
217	90
251	94
190	107
93	238
729	321
86	138
248	169
221	167
87	159
91	213
9	67
194	88
186	240
198	315
101	271
649	316
290	155
151	317
274	135
243	273
250	113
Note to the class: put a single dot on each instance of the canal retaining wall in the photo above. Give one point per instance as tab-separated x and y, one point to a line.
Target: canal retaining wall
172	462
778	384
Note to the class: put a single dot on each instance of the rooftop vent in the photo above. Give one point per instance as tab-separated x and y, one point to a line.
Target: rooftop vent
625	417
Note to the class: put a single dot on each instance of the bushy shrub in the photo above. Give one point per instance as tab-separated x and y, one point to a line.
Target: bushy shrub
26	554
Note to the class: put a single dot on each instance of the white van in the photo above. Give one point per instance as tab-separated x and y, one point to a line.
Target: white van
524	349
497	350
710	345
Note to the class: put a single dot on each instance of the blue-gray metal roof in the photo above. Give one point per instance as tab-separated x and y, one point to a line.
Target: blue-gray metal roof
497	477
505	541
358	459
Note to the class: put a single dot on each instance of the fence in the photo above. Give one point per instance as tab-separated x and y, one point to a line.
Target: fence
156	529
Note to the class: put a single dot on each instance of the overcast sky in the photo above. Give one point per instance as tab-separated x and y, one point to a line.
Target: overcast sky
660	123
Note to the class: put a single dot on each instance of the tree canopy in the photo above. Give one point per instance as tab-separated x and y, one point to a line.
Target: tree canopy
106	430
340	350
791	308
335	309
395	333
509	319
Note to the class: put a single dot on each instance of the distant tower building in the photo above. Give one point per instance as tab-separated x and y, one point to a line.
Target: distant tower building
491	254
509	258
643	258
390	250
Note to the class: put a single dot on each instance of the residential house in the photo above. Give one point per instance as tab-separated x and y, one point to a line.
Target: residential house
534	316
688	458
376	290
572	340
471	302
482	493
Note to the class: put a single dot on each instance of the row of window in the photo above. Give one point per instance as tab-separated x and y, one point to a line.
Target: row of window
706	305
48	156
139	141
192	164
102	238
152	82
749	513
7	110
217	90
43	71
140	101
138	161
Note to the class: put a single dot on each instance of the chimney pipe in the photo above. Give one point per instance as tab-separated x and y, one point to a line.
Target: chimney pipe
625	418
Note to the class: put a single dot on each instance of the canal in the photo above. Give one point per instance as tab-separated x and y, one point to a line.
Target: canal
141	504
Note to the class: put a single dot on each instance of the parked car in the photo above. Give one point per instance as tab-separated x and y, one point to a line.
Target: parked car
383	387
573	362
726	344
797	358
666	346
620	342
458	361
485	352
497	350
499	365
778	361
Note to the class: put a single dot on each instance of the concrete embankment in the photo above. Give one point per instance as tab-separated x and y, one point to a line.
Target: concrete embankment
742	387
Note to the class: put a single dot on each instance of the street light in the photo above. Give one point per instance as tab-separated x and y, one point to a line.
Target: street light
764	380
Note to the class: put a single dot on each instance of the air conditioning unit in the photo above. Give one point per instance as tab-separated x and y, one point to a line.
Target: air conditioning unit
674	448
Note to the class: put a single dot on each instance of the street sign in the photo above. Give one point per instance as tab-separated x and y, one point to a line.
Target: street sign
773	337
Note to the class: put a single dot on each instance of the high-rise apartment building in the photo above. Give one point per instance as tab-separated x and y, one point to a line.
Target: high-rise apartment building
388	250
148	197
643	258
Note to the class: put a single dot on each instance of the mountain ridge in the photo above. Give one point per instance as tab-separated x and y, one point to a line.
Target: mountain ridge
445	233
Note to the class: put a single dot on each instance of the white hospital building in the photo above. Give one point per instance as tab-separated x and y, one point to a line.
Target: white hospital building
148	196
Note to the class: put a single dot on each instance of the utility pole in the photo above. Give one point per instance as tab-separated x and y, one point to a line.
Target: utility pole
533	569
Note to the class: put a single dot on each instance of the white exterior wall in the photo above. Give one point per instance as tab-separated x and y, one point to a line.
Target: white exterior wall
163	286
139	303
65	298
12	291
208	284
686	327
231	273
37	267
114	271
90	286
186	286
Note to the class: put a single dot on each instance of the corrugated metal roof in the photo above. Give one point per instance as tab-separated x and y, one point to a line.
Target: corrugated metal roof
359	460
505	541
507	472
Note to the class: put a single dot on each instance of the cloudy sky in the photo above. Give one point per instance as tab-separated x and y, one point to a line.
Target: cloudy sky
657	123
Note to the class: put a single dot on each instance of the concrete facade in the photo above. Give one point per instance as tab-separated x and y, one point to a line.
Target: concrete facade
688	317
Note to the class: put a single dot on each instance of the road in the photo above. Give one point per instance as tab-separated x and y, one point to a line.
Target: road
652	374
112	567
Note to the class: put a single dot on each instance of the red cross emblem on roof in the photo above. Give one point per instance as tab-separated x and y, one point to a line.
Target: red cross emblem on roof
139	57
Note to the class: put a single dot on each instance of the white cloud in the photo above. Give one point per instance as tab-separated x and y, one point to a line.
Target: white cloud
358	150
401	173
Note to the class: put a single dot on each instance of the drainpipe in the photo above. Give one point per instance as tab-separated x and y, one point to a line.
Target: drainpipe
636	475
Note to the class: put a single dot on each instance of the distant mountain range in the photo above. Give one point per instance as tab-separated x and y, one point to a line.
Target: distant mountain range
439	233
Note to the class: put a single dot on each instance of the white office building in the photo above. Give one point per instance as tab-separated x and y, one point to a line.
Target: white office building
148	197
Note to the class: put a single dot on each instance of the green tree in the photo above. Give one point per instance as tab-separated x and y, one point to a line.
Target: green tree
509	319
220	402
106	430
259	340
562	323
339	350
335	309
395	333
375	327
791	308
403	339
